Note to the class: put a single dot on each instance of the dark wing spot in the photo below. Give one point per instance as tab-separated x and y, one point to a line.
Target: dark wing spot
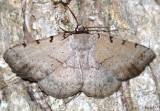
135	45
24	44
123	42
111	39
37	41
51	38
98	35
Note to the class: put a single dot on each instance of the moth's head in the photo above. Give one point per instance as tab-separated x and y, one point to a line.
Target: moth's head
80	28
81	42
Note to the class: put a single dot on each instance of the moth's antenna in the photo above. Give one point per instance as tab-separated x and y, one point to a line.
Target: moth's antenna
97	27
73	15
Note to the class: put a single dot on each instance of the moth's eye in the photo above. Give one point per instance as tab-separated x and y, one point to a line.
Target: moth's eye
77	29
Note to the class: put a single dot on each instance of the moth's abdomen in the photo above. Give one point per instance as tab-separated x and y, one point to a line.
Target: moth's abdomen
80	47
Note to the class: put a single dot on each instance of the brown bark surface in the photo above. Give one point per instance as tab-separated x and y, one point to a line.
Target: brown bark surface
137	21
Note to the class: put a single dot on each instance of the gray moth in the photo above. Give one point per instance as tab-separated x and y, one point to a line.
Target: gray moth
94	64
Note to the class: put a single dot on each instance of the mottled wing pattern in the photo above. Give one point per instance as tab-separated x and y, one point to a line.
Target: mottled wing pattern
37	59
122	58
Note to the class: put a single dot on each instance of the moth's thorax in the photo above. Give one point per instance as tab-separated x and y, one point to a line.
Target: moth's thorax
82	46
81	42
83	59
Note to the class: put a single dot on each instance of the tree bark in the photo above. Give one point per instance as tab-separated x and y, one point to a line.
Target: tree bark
26	20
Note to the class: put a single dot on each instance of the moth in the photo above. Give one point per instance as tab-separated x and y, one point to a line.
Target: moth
94	64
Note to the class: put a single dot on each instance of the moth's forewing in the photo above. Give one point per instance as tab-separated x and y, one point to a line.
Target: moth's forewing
37	59
122	58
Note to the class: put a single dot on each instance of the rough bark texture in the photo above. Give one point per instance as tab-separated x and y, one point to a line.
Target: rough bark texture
137	21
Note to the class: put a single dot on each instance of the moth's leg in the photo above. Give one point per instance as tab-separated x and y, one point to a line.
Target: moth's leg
98	35
65	32
36	93
65	36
